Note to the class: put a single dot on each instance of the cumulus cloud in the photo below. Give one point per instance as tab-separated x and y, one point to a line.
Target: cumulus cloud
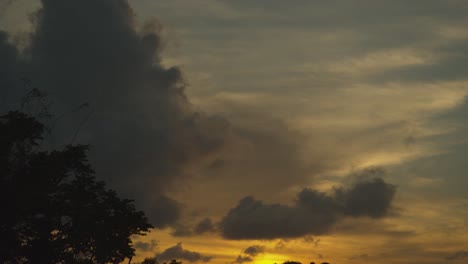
177	252
314	212
369	198
142	128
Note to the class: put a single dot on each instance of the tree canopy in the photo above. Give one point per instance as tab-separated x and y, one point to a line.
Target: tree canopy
54	209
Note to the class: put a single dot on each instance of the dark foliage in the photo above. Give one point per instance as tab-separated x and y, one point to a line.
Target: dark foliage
291	262
54	210
297	262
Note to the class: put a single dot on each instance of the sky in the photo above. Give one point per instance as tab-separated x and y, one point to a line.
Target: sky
262	131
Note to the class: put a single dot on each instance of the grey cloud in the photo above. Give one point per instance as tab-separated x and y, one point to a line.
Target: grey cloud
314	212
146	246
204	226
184	229
254	250
177	252
377	24
242	259
140	124
372	26
329	14
181	230
371	198
252	219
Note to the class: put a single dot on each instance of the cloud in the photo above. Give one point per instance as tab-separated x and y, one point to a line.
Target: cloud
142	128
162	210
254	250
370	227
370	198
204	226
146	246
462	254
449	64
312	240
177	252
243	259
280	244
260	149
314	212
181	230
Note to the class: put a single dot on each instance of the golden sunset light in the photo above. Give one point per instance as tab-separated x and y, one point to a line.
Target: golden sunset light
234	131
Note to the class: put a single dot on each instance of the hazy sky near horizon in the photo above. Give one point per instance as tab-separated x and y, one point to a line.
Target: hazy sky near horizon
285	102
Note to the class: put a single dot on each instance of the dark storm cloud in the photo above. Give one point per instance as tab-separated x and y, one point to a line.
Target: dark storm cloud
204	226
314	212
177	252
9	55
252	219
254	250
10	72
139	122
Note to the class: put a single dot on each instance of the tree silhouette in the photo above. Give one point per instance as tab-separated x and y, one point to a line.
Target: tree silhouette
291	262
54	210
297	262
149	261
